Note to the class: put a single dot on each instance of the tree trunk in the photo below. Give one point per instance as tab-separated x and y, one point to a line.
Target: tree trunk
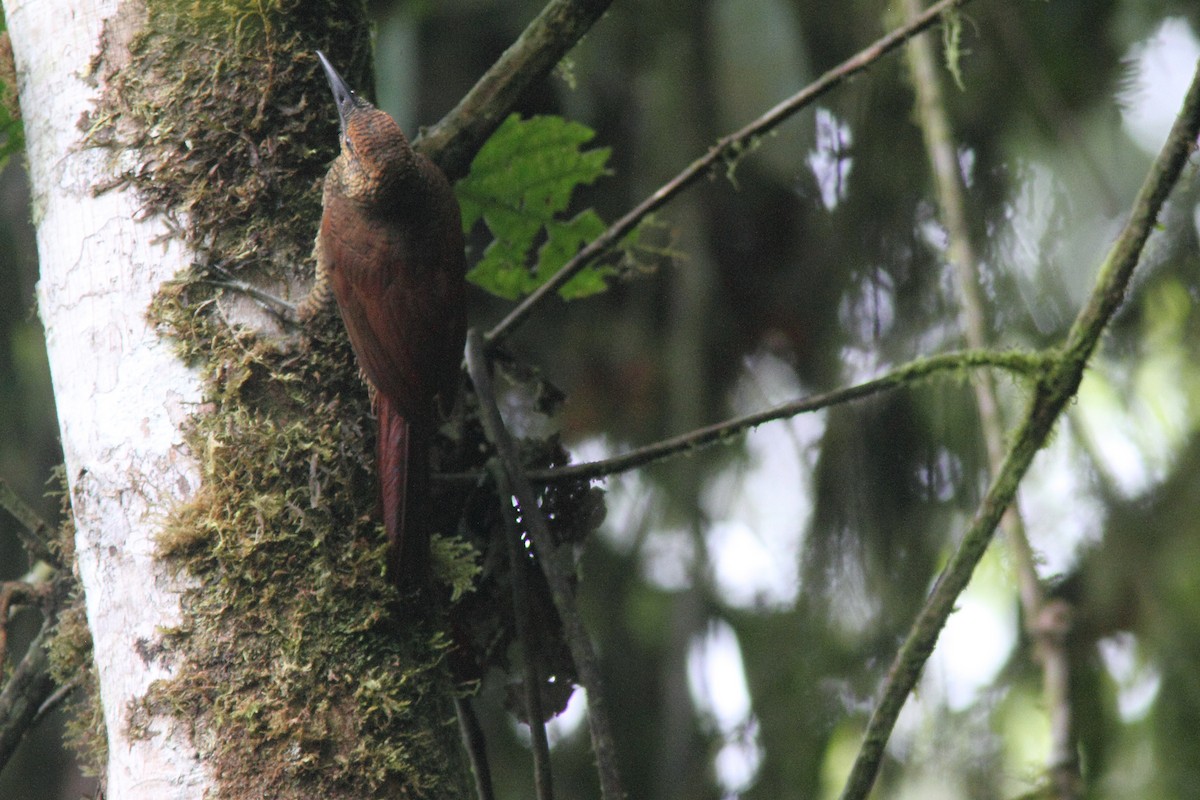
121	392
245	641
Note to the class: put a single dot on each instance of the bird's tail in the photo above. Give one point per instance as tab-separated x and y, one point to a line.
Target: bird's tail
403	464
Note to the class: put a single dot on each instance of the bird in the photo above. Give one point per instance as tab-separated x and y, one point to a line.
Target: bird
390	249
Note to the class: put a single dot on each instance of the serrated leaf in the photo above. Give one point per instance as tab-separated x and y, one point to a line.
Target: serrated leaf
519	182
564	240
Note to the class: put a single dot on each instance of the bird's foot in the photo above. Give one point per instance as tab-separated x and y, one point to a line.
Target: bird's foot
285	312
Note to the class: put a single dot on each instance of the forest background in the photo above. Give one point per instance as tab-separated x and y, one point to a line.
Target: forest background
747	600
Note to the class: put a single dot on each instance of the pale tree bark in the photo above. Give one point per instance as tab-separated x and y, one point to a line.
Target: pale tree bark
121	392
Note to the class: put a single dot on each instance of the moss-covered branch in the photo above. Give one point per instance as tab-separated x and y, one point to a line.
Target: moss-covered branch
30	687
1024	364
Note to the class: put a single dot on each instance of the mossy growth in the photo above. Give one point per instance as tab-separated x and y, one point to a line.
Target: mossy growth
298	670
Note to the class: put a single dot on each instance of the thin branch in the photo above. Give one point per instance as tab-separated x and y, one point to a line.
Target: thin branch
726	147
1027	364
556	575
34	531
522	613
55	700
943	158
1054	391
455	140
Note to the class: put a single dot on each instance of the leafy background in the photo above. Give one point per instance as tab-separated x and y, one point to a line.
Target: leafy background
746	601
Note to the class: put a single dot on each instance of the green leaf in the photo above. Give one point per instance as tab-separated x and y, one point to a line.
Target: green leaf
564	240
520	182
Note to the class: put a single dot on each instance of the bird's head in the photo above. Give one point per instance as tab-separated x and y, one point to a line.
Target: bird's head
375	154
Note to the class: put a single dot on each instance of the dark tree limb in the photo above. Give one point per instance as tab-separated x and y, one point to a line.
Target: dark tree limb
1052	632
543	783
1055	389
548	553
27	689
725	148
475	743
454	141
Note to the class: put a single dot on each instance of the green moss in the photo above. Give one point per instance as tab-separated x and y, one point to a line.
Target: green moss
299	670
458	564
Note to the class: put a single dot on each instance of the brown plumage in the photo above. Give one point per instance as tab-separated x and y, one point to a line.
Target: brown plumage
391	248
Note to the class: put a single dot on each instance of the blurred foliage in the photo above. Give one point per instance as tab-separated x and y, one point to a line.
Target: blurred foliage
826	263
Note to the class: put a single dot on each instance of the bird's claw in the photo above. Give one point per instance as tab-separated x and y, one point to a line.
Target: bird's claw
281	309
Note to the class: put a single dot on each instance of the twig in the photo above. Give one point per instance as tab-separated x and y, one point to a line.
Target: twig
1028	364
453	142
55	700
279	308
943	158
542	779
1054	391
33	530
724	147
556	576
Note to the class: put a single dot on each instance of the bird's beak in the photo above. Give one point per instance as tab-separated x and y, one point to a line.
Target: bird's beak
343	95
